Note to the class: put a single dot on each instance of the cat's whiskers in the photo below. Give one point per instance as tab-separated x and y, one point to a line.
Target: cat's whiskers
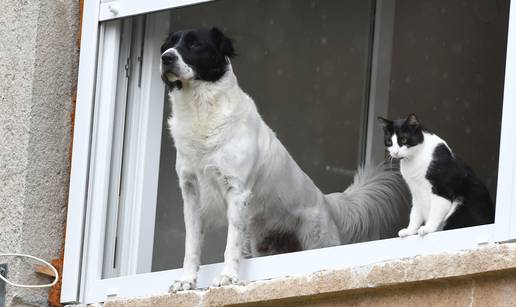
390	160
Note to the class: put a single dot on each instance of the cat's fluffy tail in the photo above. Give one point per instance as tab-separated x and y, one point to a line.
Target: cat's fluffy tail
375	206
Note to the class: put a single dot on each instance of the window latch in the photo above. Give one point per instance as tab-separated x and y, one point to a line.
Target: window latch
127	68
142	48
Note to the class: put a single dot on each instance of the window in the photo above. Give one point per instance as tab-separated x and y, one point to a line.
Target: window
341	64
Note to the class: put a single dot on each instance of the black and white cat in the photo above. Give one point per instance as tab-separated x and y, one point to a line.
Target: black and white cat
446	193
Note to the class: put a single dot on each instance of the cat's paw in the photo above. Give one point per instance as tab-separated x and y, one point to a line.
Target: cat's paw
225	280
405	233
423	230
182	285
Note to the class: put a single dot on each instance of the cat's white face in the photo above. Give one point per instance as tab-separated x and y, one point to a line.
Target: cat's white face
395	150
400	151
402	137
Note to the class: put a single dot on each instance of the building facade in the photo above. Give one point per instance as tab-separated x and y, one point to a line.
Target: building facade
450	60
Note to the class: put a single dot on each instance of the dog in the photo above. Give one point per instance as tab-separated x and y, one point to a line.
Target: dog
234	171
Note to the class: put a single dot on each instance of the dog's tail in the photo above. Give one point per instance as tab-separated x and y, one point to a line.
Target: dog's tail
375	206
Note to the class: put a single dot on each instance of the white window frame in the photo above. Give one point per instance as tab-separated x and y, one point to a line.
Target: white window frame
93	152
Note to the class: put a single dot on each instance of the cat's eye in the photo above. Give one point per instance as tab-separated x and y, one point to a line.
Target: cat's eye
403	140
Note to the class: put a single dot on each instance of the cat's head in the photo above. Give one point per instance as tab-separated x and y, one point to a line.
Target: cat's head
401	136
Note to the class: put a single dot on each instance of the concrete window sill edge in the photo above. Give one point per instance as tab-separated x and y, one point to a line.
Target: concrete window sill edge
481	260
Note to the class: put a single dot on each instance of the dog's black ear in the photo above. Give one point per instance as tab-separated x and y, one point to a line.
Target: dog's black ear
223	43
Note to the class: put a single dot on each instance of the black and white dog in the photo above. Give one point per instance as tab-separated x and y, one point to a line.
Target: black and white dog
233	170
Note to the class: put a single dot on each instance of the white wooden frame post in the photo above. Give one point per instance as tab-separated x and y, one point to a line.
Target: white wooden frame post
138	197
111	265
143	143
80	153
505	229
102	140
87	209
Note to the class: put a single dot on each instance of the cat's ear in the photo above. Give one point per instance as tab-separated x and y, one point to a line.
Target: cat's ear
412	120
384	122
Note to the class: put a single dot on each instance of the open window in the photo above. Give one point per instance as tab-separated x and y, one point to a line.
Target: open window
320	73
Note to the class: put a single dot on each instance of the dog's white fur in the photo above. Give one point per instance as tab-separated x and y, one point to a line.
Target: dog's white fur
232	169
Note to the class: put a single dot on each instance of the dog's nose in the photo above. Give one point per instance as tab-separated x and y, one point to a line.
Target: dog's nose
168	58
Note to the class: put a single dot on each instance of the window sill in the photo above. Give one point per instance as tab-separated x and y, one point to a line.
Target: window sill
327	284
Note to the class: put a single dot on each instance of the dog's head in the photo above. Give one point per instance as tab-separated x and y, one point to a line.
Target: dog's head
198	54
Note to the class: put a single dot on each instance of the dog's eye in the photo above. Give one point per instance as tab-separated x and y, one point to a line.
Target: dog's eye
194	44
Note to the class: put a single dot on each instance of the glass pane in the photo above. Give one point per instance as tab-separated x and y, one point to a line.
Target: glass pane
448	64
305	63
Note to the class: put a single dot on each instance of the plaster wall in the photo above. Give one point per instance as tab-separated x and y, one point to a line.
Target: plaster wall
38	62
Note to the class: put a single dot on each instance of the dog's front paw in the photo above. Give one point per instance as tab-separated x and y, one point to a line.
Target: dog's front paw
182	285
405	233
423	230
225	280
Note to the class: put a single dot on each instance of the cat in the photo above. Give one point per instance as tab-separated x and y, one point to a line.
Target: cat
446	193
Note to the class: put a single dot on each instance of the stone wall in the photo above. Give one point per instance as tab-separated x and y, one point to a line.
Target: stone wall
38	73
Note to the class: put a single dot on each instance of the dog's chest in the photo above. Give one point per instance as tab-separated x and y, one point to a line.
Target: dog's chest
194	136
198	143
198	131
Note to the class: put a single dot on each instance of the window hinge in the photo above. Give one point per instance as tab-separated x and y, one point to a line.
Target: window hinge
140	60
112	292
115	250
484	240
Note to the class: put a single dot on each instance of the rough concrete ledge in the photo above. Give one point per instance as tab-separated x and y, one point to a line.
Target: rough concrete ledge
486	260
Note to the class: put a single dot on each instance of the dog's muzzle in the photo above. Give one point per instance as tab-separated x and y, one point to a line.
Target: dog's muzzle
169	71
168	58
